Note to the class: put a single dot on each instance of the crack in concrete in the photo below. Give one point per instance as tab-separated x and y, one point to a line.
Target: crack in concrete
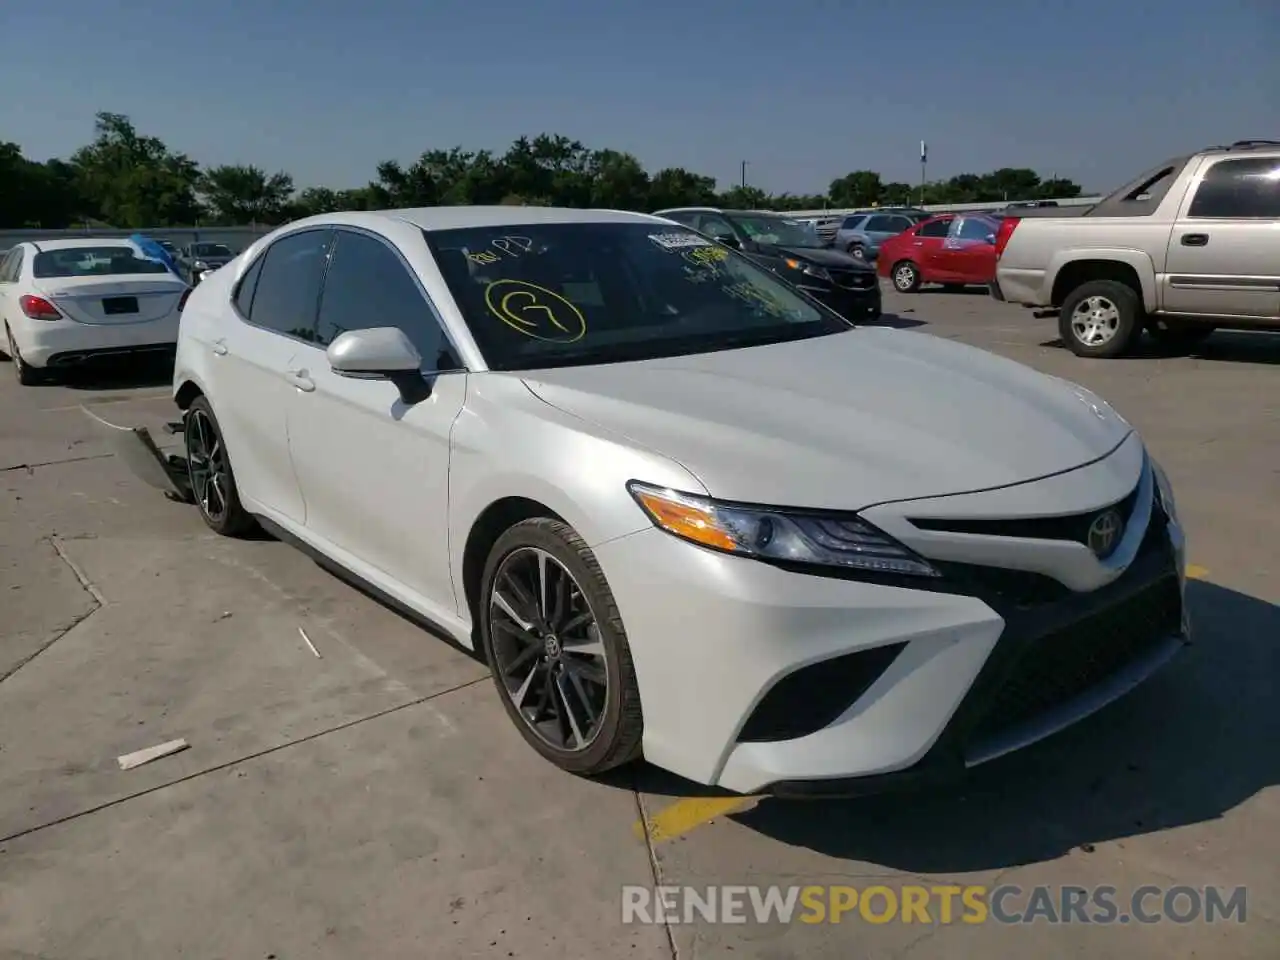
656	869
225	765
33	467
99	601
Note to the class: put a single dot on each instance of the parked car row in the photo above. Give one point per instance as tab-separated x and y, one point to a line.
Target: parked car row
1190	246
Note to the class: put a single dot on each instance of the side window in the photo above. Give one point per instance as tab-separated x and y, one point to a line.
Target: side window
851	223
971	228
248	284
714	226
901	223
289	285
879	223
1245	189
935	228
368	285
8	270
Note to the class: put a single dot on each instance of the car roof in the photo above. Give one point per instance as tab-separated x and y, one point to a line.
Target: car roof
461	217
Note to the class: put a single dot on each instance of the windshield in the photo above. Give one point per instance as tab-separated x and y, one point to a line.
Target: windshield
212	250
547	295
777	231
104	261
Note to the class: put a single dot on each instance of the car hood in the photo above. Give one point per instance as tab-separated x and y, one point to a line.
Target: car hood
843	421
823	256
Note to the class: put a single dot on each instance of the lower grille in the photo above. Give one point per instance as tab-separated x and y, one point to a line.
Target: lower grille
1055	668
854	279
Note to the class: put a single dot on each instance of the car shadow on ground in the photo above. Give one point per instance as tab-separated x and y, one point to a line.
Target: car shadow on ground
1194	742
1227	346
122	374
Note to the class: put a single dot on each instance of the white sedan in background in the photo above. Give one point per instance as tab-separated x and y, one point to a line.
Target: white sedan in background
67	302
683	510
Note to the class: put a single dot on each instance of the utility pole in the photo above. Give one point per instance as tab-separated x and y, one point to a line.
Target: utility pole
744	174
924	162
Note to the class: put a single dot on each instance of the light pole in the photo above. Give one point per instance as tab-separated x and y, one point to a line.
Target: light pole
744	174
924	162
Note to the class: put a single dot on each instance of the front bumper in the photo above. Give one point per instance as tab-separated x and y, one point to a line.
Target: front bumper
757	679
857	306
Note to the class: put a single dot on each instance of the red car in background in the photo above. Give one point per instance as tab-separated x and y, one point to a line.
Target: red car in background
953	249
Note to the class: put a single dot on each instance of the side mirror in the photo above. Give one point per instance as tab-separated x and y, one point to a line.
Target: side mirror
380	353
990	238
729	241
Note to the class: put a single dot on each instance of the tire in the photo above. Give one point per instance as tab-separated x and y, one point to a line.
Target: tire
26	375
1101	318
906	277
578	745
202	438
1179	336
858	252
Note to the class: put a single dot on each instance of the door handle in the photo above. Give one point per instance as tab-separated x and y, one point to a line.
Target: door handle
220	347
1195	239
301	379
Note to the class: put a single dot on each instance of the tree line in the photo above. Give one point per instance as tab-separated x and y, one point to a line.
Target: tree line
126	179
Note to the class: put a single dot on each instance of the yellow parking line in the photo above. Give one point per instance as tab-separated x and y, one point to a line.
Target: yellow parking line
677	819
1196	572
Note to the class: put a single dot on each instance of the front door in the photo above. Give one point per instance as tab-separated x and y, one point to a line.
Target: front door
1223	257
968	255
375	471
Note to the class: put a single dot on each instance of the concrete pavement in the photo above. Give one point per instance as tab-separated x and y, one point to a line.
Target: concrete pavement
375	801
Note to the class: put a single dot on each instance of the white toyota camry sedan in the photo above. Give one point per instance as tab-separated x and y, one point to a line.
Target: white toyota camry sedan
64	303
683	510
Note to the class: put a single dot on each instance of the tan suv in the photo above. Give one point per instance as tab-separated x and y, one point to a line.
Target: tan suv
1190	246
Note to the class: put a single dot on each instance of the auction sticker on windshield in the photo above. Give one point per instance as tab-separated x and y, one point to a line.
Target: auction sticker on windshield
678	241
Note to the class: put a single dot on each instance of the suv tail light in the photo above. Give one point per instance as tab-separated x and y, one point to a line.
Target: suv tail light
182	300
1007	226
38	308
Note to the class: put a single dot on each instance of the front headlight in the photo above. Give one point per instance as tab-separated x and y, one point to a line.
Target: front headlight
1164	490
775	533
809	269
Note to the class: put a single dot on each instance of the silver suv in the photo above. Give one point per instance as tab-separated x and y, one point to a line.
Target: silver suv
861	233
1191	245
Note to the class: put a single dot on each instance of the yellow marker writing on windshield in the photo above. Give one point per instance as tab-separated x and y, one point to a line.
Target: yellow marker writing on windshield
535	311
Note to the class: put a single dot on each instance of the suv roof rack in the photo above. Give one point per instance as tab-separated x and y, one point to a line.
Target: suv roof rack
1244	145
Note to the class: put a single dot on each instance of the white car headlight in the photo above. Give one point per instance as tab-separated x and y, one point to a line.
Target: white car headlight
1164	489
778	533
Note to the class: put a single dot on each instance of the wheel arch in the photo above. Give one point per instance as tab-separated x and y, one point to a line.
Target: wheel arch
1131	267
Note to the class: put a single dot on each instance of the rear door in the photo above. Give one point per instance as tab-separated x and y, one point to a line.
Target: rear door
1223	257
968	255
253	366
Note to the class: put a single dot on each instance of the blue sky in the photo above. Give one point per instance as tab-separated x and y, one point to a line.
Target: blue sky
804	90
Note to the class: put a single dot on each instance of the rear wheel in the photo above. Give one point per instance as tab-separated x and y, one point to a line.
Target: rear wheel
27	376
212	483
1101	318
906	277
557	649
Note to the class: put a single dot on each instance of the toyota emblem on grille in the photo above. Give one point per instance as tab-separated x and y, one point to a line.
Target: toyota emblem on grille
1104	533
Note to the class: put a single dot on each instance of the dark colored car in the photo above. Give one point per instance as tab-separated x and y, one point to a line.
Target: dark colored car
795	252
196	258
954	249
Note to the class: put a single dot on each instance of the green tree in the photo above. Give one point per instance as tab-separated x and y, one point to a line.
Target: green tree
134	180
236	194
678	187
861	188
